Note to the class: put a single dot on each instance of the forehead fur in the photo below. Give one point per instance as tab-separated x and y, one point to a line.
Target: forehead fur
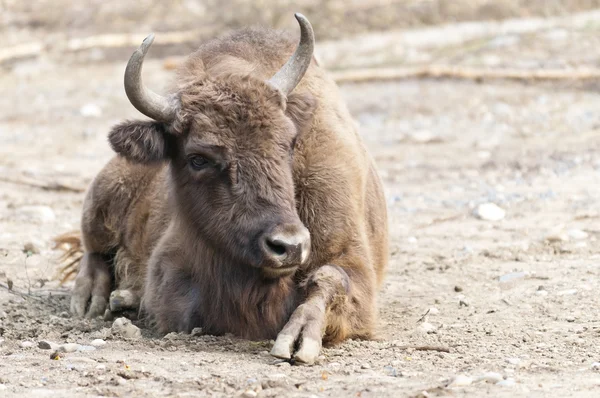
229	95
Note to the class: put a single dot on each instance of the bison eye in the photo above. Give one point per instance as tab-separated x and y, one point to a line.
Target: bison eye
198	162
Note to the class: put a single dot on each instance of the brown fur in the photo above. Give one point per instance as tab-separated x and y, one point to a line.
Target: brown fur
185	241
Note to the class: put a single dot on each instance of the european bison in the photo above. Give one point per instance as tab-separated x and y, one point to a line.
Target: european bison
248	205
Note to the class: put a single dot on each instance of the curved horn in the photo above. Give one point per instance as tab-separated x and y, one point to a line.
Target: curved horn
143	99
288	77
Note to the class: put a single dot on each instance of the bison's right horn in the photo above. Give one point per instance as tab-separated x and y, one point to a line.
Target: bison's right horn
288	77
155	106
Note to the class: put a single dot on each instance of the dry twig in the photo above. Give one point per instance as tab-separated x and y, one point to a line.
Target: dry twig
423	348
460	72
46	185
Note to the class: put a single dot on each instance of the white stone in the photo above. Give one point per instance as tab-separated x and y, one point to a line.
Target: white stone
98	343
461	381
489	212
433	311
69	347
513	361
596	366
124	328
427	327
27	344
490	377
557	237
90	110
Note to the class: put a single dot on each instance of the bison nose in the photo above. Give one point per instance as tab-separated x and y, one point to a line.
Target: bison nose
287	245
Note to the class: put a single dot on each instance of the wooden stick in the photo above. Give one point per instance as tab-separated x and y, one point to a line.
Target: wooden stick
115	40
12	290
130	40
459	72
423	348
47	185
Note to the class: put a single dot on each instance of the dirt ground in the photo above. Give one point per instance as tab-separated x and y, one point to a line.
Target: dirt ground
463	296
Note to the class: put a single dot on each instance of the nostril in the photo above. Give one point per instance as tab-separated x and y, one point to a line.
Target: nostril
277	247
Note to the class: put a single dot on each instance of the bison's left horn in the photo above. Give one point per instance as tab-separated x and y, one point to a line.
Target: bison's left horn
288	77
155	106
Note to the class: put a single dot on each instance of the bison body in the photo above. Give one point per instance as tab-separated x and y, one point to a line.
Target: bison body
249	205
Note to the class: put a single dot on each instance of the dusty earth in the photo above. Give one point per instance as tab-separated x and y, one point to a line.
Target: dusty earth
463	296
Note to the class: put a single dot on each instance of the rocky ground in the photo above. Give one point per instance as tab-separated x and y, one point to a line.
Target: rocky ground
493	190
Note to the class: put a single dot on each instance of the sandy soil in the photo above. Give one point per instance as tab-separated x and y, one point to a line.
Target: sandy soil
517	296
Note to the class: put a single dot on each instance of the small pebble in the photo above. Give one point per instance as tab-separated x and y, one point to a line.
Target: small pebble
513	361
433	311
27	344
509	382
390	371
426	327
511	276
124	328
3	314
283	364
101	367
68	347
458	289
412	239
98	343
84	348
542	293
557	237
596	366
249	394
30	248
490	377
489	212
197	332
461	381
46	345
365	366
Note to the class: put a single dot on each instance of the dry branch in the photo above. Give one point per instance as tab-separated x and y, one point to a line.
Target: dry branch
46	185
115	40
423	348
129	40
459	72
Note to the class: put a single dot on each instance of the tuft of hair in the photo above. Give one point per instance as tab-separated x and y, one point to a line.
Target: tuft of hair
71	245
139	141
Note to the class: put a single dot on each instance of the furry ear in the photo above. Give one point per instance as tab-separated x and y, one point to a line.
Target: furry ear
300	108
140	141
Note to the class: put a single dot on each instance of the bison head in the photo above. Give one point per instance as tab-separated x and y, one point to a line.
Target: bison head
229	138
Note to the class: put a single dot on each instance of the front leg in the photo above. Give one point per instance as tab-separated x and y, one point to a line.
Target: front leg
339	304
